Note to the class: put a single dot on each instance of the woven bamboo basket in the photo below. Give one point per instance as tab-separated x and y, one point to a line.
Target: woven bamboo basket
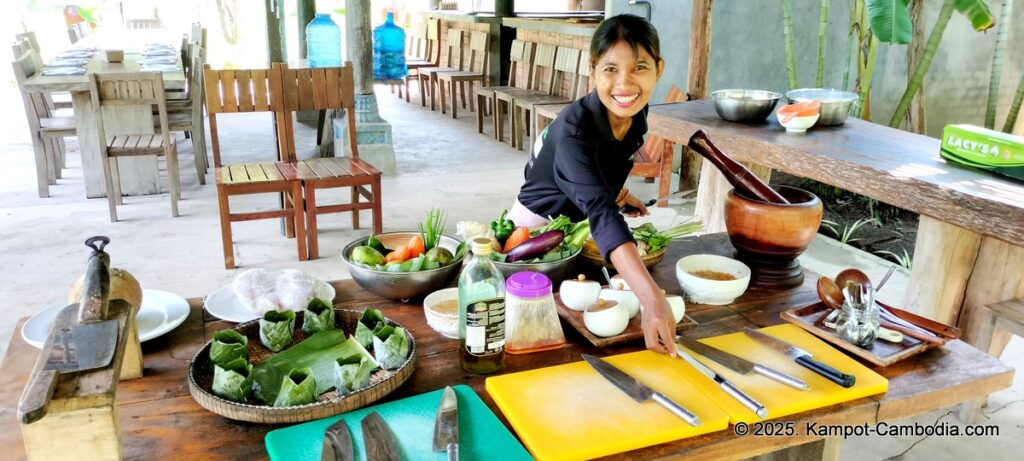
382	382
591	255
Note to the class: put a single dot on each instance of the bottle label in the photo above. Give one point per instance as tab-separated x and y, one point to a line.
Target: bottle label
485	326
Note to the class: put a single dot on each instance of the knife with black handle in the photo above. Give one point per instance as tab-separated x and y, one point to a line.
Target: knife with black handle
802	357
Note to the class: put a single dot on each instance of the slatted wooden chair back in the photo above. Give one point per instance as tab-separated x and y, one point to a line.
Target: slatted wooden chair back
237	91
453	46
416	41
198	35
542	70
35	106
331	88
519	64
32	40
567	62
37	109
142	24
130	89
582	76
76	33
433	40
478	55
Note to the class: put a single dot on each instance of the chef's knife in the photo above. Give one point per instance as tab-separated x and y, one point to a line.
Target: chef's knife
446	426
377	438
740	365
337	444
637	390
728	387
802	357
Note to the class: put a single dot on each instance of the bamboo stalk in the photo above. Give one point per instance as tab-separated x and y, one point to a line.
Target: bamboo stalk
997	63
916	114
945	14
787	33
865	84
1011	118
822	29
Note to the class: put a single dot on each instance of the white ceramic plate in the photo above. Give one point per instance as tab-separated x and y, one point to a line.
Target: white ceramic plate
223	304
160	313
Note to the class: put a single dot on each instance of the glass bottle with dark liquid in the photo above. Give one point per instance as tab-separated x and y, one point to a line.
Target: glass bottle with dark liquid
481	312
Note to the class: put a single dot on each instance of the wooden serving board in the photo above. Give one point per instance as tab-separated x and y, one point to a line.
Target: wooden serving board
882	353
632	332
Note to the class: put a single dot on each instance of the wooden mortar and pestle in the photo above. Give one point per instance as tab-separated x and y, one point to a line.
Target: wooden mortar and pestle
769	226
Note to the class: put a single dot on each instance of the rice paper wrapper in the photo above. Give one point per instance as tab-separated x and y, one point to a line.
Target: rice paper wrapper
392	351
297	388
233	381
277	329
227	346
318	317
353	373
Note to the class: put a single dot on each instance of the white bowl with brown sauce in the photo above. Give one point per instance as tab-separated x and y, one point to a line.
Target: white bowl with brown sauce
442	310
712	279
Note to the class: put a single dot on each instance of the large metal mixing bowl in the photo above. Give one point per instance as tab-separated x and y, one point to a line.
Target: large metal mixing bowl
835	104
402	285
744	106
555	270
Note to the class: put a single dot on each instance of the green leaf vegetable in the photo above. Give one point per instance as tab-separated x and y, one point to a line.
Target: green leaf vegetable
227	346
432	228
277	329
391	347
369	321
233	380
297	388
650	240
561	223
353	373
318	317
318	352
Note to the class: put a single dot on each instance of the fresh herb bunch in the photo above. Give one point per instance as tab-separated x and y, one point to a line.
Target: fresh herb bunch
432	228
654	240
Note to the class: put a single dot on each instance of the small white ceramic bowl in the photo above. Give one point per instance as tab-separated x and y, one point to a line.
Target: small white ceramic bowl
678	307
437	306
625	297
799	124
579	294
606	318
706	291
619	283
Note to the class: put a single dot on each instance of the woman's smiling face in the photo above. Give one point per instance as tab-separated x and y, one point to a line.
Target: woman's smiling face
624	80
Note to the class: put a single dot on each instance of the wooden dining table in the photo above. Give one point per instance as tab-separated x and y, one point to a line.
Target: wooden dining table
160	420
139	175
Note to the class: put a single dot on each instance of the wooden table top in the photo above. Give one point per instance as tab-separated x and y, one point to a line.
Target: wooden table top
894	166
131	41
159	418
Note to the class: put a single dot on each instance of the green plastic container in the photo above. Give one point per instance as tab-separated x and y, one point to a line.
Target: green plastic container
983	148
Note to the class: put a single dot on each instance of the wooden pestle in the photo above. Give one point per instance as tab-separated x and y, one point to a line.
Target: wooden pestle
745	182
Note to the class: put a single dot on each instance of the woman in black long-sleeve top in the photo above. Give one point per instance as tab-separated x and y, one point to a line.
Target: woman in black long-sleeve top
580	162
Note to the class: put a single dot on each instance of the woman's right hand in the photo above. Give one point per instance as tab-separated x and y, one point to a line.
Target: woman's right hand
657	323
659	327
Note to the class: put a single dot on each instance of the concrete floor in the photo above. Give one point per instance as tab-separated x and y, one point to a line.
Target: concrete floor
440	163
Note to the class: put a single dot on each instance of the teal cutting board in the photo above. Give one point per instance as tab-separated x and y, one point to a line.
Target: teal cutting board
411	420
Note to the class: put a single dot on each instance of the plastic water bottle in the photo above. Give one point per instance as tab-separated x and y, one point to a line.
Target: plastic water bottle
389	51
323	42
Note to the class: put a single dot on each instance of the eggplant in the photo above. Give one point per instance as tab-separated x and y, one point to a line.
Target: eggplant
536	246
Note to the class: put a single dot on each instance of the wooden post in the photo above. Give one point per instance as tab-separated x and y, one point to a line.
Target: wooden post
944	256
696	82
306	13
276	51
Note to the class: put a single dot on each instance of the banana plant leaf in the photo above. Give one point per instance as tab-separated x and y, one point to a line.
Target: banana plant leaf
369	321
318	317
233	381
297	388
890	20
977	12
318	352
227	346
353	373
277	328
391	351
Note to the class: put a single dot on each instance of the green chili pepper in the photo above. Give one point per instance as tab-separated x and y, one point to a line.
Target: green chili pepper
502	227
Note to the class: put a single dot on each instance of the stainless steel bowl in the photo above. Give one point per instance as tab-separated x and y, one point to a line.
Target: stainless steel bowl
555	270
402	285
835	104
745	106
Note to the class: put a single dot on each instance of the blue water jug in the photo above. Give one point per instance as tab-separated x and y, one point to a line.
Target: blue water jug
323	42
389	51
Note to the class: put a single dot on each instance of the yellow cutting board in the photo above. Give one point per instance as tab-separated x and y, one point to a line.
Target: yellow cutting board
780	399
570	412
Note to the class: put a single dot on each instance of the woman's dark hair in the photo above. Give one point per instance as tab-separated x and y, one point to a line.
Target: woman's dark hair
637	32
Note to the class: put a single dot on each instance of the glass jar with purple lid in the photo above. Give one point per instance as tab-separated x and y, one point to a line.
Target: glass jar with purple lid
531	321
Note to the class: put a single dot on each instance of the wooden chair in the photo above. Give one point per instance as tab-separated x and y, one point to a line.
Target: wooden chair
543	64
991	329
249	91
452	62
328	89
431	57
47	131
154	23
476	71
126	89
567	61
190	122
64	98
543	114
518	77
76	32
654	158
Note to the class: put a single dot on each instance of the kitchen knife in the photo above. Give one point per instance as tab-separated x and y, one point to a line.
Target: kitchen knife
726	386
637	390
76	343
802	357
740	365
378	440
337	444
446	426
